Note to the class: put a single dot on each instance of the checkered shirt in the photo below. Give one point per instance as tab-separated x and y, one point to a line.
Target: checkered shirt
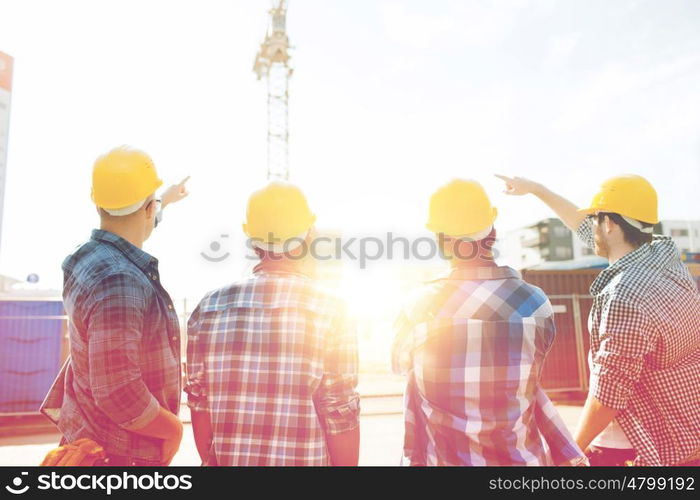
645	345
274	362
473	345
124	348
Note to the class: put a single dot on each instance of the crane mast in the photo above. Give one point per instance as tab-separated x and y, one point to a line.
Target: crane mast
272	64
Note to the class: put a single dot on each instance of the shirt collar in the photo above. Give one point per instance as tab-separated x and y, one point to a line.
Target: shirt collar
282	266
655	254
143	260
482	273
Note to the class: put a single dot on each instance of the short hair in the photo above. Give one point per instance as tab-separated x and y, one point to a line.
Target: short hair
631	234
481	249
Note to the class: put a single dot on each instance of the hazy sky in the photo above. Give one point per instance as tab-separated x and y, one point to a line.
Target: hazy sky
388	100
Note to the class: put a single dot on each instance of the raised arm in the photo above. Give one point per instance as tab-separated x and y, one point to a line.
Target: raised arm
565	210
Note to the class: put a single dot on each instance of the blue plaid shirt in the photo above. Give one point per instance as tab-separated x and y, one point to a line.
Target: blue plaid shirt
473	346
125	348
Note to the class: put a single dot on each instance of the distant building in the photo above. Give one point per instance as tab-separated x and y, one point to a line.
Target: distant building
549	240
686	233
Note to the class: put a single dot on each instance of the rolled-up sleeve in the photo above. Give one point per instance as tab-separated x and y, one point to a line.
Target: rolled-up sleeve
338	404
114	338
561	444
196	373
627	336
585	232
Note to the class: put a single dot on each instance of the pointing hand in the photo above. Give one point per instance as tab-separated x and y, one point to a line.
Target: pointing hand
175	193
518	186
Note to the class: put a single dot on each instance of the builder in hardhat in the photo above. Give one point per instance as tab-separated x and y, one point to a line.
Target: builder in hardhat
121	385
271	359
644	400
473	344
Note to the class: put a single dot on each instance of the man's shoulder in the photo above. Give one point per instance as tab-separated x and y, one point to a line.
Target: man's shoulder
222	298
637	281
513	299
273	292
94	264
646	288
423	302
529	292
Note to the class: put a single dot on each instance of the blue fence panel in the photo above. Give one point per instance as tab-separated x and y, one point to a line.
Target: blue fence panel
30	351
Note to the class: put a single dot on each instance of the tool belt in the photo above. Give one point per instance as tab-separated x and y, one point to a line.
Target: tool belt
88	453
81	453
123	461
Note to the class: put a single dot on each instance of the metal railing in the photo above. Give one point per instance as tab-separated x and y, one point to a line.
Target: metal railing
33	343
567	360
565	370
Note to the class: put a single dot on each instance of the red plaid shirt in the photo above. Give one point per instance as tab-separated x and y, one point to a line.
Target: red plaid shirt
645	345
273	361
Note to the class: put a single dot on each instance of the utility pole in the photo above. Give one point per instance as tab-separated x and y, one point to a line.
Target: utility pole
272	63
5	93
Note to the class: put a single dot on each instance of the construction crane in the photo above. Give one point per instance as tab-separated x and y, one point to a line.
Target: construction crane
272	63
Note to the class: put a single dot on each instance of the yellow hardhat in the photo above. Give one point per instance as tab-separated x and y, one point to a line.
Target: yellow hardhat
277	213
461	209
629	195
123	177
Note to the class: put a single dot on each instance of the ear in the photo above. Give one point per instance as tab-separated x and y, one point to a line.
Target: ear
151	209
609	225
311	234
445	245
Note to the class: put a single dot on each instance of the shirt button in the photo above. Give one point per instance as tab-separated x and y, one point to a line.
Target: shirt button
174	339
170	306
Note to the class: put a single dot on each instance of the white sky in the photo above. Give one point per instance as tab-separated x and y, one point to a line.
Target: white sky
388	100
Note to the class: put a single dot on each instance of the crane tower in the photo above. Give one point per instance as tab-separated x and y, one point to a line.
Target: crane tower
272	63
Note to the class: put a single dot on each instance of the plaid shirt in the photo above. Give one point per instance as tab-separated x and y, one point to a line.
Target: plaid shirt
124	348
645	345
473	345
273	361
